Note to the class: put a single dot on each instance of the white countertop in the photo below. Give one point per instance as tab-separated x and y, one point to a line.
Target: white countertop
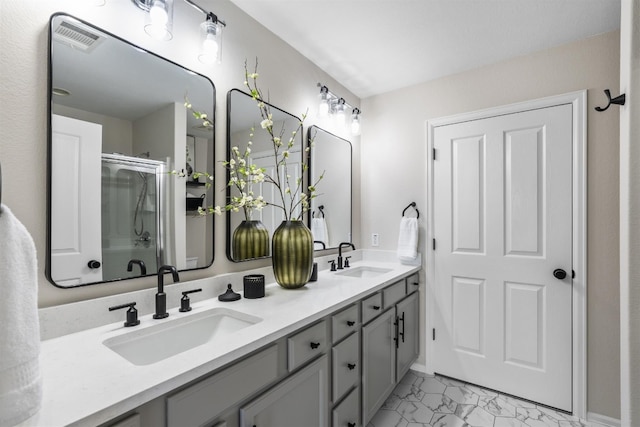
86	383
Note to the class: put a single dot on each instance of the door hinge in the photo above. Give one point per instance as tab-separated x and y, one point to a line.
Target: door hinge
434	154
433	334
434	244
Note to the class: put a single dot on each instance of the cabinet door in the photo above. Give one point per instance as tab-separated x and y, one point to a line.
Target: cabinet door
378	363
300	400
408	312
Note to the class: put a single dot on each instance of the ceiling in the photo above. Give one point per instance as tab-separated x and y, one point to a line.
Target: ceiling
375	46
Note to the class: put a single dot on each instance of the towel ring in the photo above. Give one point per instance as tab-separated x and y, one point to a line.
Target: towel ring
320	208
412	205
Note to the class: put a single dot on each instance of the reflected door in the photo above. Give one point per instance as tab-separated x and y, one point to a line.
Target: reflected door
503	224
76	243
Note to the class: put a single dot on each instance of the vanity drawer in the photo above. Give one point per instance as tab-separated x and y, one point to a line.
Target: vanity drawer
347	413
346	365
413	283
306	345
203	401
394	293
344	323
371	307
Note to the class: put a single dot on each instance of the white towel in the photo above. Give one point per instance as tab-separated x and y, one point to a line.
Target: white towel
319	231
20	381
408	239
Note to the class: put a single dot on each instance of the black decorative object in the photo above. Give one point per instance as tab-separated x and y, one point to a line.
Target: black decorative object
412	205
229	295
618	100
253	286
193	203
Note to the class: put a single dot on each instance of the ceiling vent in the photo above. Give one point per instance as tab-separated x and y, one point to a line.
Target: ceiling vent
76	36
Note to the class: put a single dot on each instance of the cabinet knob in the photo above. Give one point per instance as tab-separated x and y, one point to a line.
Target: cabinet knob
351	366
314	345
376	307
348	425
350	323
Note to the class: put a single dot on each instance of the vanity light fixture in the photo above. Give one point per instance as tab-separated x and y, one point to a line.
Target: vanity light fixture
323	104
159	20
331	104
355	121
210	33
159	24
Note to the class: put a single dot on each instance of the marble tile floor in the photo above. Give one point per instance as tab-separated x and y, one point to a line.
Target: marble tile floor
422	400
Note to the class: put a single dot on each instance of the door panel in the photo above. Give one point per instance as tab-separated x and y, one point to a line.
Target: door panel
503	223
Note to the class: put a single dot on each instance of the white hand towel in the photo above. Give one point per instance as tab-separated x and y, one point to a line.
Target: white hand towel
20	381
408	239
319	230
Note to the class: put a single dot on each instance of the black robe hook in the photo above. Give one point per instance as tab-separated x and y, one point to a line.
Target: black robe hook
618	100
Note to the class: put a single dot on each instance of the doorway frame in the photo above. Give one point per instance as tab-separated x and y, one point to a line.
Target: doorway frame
578	100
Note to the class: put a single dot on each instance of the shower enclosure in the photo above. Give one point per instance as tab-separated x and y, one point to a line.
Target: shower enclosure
132	209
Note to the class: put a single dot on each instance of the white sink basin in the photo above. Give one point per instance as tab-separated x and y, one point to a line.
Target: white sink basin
174	335
363	272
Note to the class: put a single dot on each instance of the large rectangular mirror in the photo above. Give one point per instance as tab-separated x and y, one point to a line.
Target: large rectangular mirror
118	127
249	233
330	212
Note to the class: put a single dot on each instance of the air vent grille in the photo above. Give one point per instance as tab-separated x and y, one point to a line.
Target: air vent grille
76	36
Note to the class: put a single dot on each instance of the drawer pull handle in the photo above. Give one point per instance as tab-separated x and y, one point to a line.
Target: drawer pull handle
376	307
416	283
351	366
348	425
314	345
350	323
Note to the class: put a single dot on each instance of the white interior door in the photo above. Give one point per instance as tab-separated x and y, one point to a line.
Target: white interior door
75	201
502	225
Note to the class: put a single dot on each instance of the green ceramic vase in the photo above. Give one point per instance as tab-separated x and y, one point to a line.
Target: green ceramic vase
250	240
292	254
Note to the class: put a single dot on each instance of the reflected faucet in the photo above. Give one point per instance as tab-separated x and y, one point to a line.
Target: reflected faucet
140	263
161	297
340	266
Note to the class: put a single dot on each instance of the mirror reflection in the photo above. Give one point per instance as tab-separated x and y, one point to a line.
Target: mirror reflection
331	208
119	127
249	231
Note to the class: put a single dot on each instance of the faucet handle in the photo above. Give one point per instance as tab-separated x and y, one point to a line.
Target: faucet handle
346	262
185	302
333	264
132	313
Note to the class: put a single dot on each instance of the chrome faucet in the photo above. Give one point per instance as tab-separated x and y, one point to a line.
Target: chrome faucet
161	297
140	263
340	266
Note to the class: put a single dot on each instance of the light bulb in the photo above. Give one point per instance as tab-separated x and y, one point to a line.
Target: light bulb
209	52
158	13
159	20
323	108
355	125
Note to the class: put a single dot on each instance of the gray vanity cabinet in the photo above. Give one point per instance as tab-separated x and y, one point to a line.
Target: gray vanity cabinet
408	314
300	400
378	363
390	344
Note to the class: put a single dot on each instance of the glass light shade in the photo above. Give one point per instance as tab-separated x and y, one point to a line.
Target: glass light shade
341	112
323	104
210	33
355	124
159	21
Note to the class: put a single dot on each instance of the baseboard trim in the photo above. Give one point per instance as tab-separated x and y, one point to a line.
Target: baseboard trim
603	419
419	367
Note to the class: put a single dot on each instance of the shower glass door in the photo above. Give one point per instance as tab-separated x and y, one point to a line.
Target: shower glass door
132	208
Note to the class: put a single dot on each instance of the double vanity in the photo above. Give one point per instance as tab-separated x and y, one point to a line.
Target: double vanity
329	353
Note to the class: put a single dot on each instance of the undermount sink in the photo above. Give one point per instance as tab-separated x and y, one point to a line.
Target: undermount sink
363	272
174	336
